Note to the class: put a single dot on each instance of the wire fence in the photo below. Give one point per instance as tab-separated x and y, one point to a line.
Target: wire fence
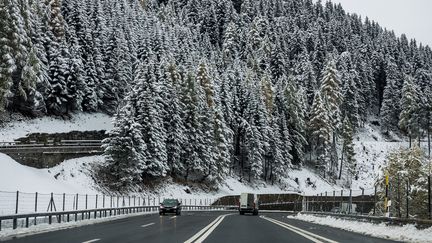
343	201
399	197
24	203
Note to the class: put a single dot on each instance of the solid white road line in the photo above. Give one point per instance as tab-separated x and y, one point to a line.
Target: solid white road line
195	236
304	233
145	225
90	241
198	236
208	232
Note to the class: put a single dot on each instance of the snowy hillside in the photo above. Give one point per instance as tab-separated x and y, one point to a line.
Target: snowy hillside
371	149
75	176
78	122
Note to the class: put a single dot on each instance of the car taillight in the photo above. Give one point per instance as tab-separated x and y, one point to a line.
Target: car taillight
254	205
161	206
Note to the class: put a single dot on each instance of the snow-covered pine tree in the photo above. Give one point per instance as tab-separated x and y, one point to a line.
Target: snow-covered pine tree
125	151
321	129
409	117
176	139
389	107
349	106
348	161
7	61
331	95
295	111
150	116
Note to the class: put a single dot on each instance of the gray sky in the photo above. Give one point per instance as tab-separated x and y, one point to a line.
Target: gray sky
412	17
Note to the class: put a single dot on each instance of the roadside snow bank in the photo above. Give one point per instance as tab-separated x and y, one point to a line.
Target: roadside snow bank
78	122
406	233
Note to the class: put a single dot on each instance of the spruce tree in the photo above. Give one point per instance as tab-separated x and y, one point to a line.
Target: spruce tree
409	116
348	161
321	129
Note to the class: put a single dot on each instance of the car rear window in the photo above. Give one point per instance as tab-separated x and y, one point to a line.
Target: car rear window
170	202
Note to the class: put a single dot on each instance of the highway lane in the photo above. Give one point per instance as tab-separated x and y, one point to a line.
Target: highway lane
201	226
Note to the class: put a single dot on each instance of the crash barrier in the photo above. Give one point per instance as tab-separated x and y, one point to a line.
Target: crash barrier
27	220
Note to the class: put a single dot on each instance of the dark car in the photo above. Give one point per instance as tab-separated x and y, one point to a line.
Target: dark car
170	206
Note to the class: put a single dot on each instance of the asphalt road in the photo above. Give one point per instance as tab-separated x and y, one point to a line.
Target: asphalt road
191	227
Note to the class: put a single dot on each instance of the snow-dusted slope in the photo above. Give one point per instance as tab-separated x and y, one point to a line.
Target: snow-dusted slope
371	149
74	176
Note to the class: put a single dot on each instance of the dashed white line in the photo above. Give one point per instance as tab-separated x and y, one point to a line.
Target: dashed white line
145	225
90	241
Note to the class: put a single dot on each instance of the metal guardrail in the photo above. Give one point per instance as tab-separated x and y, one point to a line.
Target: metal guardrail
67	216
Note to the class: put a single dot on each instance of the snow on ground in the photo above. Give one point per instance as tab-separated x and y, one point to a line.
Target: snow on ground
406	233
78	122
371	149
74	176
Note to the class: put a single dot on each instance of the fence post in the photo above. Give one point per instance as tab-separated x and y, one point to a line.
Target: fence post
325	204
375	200
362	203
16	210
36	202
407	201
429	197
350	202
341	202
64	199
334	199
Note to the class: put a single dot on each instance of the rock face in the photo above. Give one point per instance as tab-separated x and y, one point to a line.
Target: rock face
43	150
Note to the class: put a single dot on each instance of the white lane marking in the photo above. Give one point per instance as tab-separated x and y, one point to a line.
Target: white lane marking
204	230
145	225
173	217
206	234
299	231
90	241
195	236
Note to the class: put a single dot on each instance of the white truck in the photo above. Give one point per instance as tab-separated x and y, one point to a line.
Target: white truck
248	203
